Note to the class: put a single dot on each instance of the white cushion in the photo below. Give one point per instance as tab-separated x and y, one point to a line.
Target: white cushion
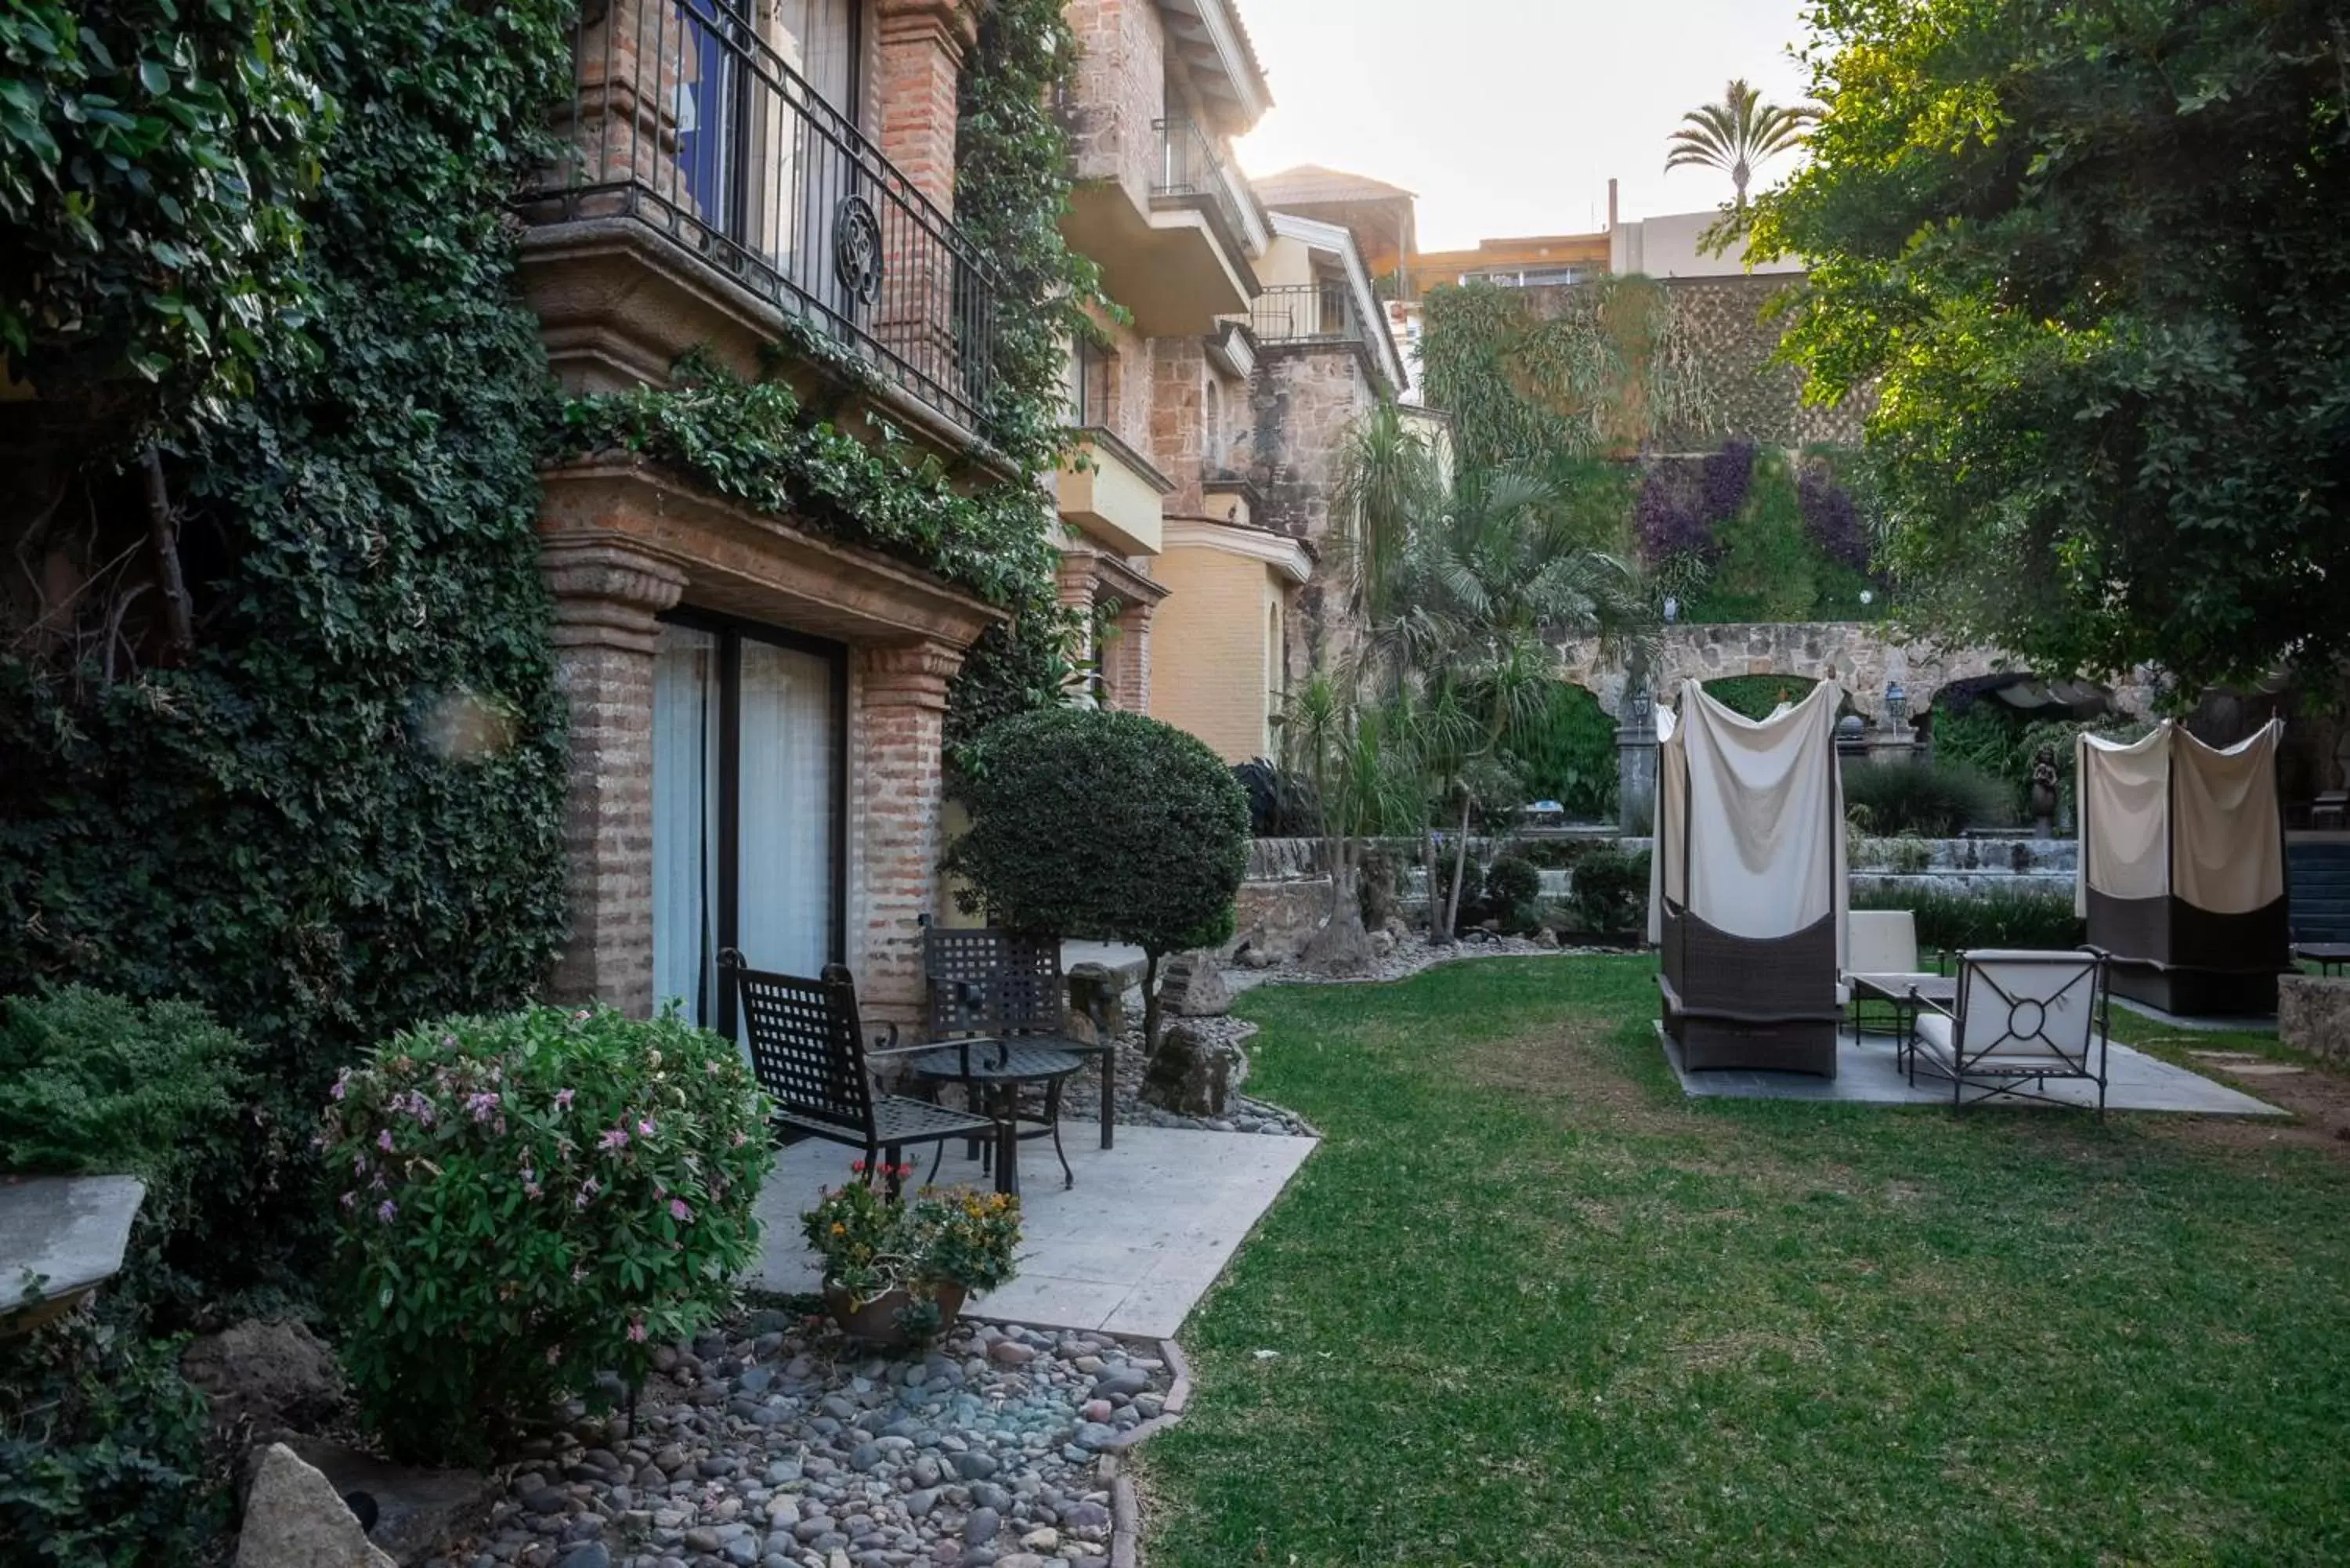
1881	941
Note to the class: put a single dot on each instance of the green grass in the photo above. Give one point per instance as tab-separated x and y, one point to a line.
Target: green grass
1528	1305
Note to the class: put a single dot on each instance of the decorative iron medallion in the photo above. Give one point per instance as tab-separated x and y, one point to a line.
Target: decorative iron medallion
856	249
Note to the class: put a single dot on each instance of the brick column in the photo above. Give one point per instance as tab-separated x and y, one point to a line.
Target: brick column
922	44
606	599
1131	684
903	727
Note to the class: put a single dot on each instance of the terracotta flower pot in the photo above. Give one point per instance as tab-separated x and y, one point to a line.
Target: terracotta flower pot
875	1322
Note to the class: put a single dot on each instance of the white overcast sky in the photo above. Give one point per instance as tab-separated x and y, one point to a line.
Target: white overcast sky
1509	116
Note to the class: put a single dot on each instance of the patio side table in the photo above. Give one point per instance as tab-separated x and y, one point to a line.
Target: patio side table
1903	993
995	1072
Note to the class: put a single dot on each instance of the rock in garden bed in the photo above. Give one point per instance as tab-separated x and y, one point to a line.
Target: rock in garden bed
1081	1099
779	1445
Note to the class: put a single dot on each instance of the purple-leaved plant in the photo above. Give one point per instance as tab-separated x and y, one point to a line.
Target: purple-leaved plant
1832	518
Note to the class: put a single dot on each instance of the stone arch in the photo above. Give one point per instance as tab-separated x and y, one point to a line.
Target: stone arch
1865	658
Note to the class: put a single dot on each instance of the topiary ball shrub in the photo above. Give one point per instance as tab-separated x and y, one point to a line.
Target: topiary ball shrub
1086	823
525	1200
1610	892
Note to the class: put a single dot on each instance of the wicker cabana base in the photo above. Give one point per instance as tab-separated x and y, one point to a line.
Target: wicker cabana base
2195	993
1759	1004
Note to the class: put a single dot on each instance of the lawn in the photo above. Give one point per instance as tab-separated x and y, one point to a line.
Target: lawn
1528	1305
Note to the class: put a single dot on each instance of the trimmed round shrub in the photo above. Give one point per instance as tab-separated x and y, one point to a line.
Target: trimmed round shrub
1610	891
1513	894
1107	825
523	1201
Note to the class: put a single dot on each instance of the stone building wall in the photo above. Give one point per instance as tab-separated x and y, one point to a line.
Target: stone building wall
1120	89
1861	656
1304	402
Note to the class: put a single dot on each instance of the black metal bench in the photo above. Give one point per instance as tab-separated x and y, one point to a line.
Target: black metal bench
808	1052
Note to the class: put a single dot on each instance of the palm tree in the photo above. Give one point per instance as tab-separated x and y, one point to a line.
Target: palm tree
1738	133
1465	584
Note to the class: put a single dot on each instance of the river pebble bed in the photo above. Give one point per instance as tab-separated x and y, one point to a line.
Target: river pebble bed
782	1444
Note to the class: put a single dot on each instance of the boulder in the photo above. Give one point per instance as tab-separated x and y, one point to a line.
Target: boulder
1191	985
2313	1015
1383	946
274	1376
294	1518
1096	996
1193	1073
1546	938
417	1509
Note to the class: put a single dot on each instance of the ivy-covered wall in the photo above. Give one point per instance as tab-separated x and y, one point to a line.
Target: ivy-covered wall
334	808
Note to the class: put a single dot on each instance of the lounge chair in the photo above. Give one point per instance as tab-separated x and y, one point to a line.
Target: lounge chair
2020	1017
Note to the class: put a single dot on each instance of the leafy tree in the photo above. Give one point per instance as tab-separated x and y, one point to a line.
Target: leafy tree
1088	822
2091	260
1737	134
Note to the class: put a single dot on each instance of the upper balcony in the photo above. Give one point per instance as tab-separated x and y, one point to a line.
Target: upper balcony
1322	312
1180	256
708	195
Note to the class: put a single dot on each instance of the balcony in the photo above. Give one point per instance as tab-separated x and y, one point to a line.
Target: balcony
1306	313
709	196
1172	232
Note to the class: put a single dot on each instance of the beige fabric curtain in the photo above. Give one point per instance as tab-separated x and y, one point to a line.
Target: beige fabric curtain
1760	806
2170	816
2229	854
2125	807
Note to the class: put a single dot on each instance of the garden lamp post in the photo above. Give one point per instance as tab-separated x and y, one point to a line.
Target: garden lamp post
1896	705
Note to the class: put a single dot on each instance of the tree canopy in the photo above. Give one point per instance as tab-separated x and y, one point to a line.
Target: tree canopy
2092	258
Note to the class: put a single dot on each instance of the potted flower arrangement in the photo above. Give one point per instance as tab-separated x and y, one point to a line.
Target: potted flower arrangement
897	1268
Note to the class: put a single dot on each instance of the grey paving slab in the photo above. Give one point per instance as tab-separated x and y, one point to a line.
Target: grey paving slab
65	1232
1131	1248
1866	1075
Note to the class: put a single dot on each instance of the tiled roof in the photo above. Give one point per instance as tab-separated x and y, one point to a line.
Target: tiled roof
1310	185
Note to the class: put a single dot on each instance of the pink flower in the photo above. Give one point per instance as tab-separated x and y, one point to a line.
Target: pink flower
533	1189
341	1079
637	1331
383	1140
350	1199
645	1128
679	1211
386	1210
586	1193
554	1355
483	1105
562	1098
614	1137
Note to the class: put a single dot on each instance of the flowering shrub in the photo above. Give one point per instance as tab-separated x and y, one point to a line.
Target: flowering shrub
872	1244
523	1201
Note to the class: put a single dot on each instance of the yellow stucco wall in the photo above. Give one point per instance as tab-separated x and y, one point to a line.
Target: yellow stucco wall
1210	672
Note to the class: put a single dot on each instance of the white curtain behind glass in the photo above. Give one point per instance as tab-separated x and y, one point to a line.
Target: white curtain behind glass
685	820
787	875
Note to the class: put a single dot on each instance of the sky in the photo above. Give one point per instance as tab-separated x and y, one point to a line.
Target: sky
1508	117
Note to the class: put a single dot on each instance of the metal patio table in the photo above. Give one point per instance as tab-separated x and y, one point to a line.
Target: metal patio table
1903	993
995	1072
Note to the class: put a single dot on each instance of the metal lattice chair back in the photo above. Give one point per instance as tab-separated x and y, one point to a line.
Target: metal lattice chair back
807	1048
965	968
2017	1009
1036	997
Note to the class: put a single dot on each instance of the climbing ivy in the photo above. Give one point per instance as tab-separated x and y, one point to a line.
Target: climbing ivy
152	154
338	808
1532	376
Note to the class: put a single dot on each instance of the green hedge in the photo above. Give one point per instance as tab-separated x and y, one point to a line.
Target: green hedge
2002	917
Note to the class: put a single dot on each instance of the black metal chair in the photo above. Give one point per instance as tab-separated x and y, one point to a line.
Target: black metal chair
808	1053
1008	985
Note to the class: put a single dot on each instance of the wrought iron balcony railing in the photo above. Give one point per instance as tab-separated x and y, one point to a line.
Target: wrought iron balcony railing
1306	313
1189	169
683	118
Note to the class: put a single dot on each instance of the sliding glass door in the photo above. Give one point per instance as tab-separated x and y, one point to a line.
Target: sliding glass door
749	750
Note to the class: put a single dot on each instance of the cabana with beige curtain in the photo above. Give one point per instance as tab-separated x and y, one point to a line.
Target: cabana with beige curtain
1746	893
2182	872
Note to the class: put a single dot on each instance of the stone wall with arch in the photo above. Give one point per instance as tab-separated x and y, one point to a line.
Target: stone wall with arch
1862	657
